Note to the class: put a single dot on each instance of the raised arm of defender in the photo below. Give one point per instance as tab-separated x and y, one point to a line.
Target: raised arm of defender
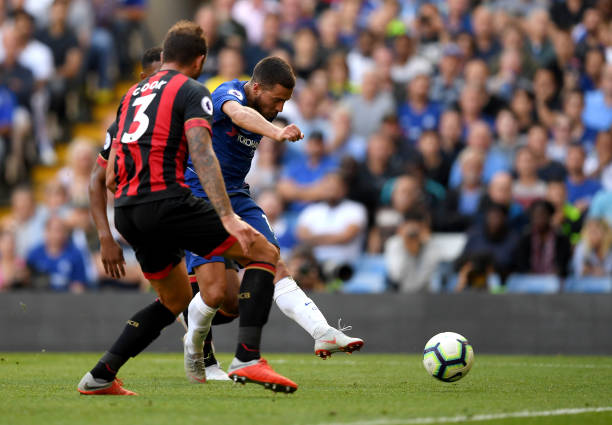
251	120
207	167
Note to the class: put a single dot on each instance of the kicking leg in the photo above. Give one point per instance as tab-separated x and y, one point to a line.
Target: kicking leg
296	305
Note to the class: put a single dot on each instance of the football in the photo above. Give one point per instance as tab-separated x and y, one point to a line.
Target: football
448	356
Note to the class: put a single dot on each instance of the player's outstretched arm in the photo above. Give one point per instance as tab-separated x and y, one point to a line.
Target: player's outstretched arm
110	251
207	167
111	183
253	121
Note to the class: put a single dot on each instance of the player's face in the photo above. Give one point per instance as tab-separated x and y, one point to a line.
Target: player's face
270	101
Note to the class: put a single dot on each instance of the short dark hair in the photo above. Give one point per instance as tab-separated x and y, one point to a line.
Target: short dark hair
184	42
545	205
150	55
273	70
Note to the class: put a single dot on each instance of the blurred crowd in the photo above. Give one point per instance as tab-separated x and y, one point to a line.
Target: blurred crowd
448	143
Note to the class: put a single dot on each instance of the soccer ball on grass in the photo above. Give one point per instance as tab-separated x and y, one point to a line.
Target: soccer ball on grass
448	356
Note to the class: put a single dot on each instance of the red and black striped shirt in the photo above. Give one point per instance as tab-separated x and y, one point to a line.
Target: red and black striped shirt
152	119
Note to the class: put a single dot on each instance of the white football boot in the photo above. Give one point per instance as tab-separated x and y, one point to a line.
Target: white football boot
215	373
334	341
195	369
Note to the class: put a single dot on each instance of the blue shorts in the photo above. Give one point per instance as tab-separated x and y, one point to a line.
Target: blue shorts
250	212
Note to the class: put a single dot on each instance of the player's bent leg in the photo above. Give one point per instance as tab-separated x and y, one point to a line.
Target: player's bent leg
202	308
141	329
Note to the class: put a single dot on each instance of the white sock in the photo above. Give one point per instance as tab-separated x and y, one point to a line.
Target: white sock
199	317
297	306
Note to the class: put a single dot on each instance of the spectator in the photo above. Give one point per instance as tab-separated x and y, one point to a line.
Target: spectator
580	188
446	86
343	140
528	187
406	195
594	62
207	19
573	105
252	15
370	106
338	73
547	168
56	261
408	63
359	59
593	255
539	45
568	218
598	103
20	82
509	77
269	41
335	228
303	113
410	256
301	177
329	31
480	138
13	272
542	249
499	192
371	175
437	165
486	250
546	93
598	165
418	114
67	58
38	58
508	139
523	108
24	219
471	104
562	137
451	134
487	46
231	67
305	57
461	204
75	176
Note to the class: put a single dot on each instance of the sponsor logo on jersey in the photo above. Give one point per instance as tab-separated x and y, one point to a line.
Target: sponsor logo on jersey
243	139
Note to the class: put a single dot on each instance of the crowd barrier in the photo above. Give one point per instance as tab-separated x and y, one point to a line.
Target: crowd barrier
389	323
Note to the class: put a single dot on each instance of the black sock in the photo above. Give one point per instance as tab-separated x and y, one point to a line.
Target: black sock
142	329
254	302
209	355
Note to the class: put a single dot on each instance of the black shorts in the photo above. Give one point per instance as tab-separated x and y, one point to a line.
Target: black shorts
160	231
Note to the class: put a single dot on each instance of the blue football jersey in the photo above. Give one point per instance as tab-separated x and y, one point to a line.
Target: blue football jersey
234	146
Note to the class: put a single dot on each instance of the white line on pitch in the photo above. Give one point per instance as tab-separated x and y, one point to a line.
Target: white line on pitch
474	418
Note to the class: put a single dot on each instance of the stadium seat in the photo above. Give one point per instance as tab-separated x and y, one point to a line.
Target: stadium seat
369	276
533	284
588	284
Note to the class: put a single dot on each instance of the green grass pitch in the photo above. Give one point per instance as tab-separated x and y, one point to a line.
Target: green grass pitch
362	389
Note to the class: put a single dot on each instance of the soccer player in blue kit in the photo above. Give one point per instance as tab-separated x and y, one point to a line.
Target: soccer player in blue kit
243	111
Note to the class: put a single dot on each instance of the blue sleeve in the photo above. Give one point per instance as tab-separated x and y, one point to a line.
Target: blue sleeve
78	270
224	93
7	107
